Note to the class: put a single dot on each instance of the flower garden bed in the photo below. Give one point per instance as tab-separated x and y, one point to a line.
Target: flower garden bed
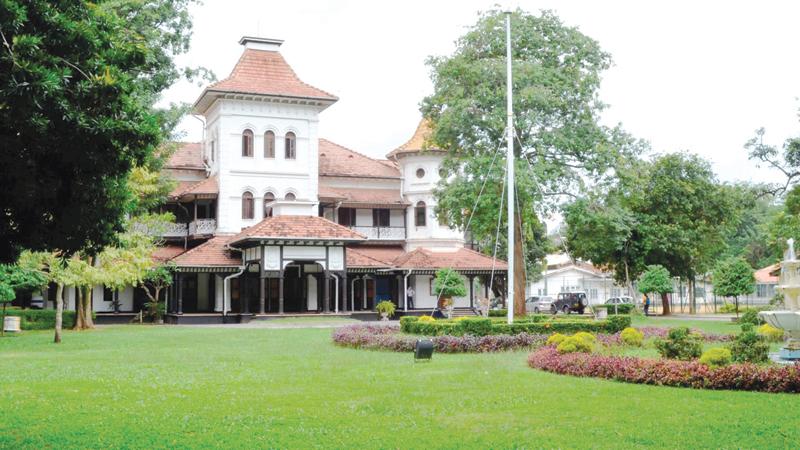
377	337
665	372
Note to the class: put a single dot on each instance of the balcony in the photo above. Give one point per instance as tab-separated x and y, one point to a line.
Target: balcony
197	227
382	233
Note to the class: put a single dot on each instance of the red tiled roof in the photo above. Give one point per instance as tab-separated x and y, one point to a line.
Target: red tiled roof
265	72
765	275
209	186
418	142
379	256
212	253
298	227
338	161
167	252
187	155
356	197
461	259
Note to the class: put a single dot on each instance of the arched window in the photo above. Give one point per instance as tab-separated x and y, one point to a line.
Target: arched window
420	173
290	146
268	198
247	143
419	214
269	144
248	206
290	196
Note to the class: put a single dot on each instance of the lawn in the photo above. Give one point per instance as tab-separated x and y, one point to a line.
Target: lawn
131	386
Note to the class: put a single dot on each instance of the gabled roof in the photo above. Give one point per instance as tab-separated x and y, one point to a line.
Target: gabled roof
188	155
167	252
212	253
418	142
373	257
203	188
461	259
304	228
768	274
265	72
338	161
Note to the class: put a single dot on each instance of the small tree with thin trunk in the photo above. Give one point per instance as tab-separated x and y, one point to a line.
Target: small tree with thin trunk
448	284
732	278
656	279
6	296
155	280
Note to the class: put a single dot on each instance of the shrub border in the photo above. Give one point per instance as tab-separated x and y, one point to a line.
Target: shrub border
412	325
662	372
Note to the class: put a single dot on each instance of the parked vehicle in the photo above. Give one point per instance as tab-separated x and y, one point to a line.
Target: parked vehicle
567	302
537	304
623	300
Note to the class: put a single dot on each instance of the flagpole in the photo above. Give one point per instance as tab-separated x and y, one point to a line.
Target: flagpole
510	172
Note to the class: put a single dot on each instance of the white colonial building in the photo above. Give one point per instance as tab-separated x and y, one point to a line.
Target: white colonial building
273	219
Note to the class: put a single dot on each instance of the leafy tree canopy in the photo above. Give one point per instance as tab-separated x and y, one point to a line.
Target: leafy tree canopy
449	283
21	278
79	82
733	278
6	293
655	279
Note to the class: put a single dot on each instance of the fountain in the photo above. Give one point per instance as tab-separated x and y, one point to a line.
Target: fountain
789	319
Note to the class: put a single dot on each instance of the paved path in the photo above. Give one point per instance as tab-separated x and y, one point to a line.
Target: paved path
288	324
713	317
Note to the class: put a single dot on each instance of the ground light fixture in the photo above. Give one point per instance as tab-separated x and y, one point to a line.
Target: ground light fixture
423	350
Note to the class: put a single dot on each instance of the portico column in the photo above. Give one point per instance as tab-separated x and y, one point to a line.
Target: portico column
244	295
344	291
180	294
364	287
261	295
471	293
326	299
280	292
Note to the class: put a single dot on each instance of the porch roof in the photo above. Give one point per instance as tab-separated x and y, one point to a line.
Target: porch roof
212	254
461	259
188	190
297	228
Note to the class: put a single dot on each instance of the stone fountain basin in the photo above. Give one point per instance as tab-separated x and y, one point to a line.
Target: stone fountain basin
785	320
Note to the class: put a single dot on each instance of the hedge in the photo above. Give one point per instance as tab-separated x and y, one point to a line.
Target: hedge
483	327
41	319
623	308
498	312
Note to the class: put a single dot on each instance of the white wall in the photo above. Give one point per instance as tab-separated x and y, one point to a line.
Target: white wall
257	174
423	298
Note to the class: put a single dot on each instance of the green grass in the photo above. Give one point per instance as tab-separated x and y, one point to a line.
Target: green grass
158	387
711	326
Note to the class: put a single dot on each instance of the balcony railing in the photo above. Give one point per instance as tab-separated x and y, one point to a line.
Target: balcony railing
382	233
175	230
202	226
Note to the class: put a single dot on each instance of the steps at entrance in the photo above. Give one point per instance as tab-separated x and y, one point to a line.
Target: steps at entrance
464	312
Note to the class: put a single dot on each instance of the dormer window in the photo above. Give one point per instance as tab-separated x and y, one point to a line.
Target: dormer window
247	143
290	146
269	144
419	214
248	207
269	197
420	173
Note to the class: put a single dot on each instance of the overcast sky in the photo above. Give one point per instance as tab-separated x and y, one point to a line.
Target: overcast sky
687	75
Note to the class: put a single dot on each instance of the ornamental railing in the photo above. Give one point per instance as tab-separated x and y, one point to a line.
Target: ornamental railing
382	233
202	226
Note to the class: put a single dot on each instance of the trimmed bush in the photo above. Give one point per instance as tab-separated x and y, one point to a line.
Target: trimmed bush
623	308
680	343
556	338
662	372
716	357
475	326
41	319
442	327
498	312
632	337
770	333
576	343
749	346
426	319
750	315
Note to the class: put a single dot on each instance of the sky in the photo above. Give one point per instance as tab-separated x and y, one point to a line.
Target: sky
687	75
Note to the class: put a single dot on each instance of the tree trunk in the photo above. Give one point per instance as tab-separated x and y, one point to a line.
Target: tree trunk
736	299
519	269
87	303
692	304
59	312
665	305
80	320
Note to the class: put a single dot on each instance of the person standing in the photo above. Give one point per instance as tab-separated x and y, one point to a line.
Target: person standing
646	305
410	297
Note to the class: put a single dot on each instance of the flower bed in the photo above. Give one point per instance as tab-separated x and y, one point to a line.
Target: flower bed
745	377
661	333
389	337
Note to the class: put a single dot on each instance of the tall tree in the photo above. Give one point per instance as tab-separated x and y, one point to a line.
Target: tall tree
559	143
786	160
672	212
657	280
52	267
82	78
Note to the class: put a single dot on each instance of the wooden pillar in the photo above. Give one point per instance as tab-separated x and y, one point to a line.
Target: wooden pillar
344	291
471	291
244	294
261	295
180	294
486	287
280	292
364	288
326	300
